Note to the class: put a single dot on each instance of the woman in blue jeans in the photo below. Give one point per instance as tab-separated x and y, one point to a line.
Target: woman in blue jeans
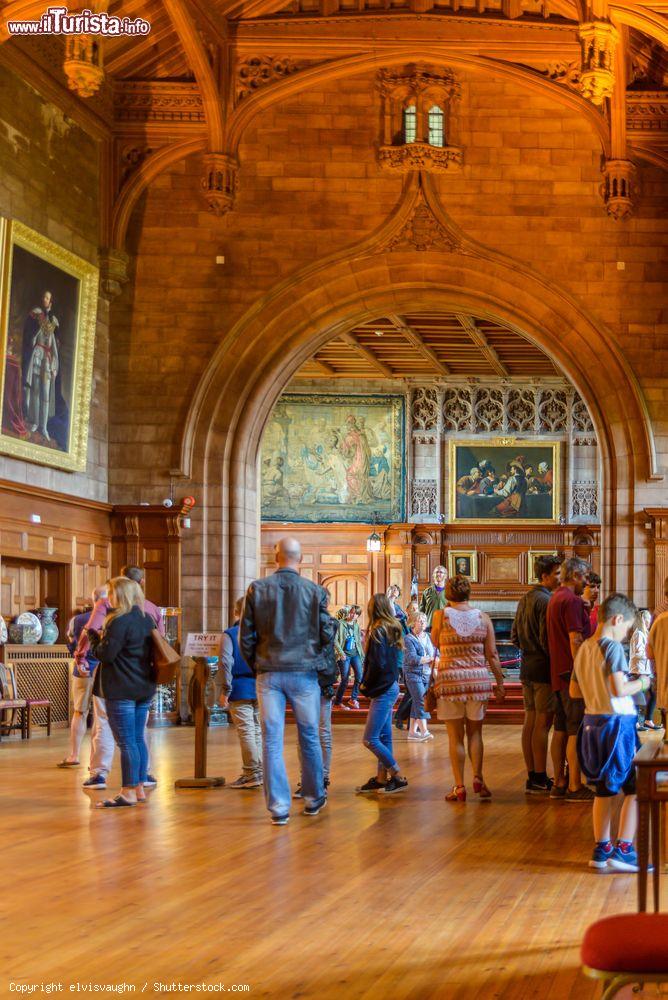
380	683
418	663
123	679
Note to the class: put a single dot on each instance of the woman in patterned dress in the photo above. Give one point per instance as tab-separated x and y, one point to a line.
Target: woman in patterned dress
465	637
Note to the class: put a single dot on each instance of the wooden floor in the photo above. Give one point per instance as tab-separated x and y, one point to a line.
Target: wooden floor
409	897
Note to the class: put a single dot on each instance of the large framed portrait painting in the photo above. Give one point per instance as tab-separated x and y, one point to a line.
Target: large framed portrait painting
504	480
49	303
331	458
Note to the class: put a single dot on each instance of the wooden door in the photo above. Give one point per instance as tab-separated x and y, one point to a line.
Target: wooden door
347	589
21	587
26	585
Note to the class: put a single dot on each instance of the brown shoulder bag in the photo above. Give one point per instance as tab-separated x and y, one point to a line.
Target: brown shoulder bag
165	659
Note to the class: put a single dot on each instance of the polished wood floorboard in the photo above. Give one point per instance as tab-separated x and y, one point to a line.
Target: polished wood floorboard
408	897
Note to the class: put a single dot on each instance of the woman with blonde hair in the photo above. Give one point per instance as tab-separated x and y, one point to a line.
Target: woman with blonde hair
124	680
465	637
380	682
641	666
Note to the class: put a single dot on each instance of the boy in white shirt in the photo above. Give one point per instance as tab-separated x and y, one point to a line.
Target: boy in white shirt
607	740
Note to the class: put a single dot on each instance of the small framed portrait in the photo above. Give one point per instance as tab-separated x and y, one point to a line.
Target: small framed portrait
534	554
47	343
463	562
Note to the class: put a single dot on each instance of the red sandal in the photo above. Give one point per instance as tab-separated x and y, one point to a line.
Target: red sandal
458	794
480	788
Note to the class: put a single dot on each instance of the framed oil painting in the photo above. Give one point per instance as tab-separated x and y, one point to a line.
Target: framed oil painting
532	555
463	562
47	335
334	458
504	480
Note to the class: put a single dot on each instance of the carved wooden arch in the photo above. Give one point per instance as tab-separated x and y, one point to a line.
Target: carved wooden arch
259	356
354	65
643	19
142	177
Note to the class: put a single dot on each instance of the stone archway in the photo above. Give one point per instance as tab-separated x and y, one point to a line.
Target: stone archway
261	353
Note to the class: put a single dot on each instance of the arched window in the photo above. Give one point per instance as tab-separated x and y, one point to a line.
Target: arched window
436	126
410	123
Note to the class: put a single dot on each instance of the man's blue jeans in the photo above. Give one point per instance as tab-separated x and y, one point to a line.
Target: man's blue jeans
299	689
127	720
378	729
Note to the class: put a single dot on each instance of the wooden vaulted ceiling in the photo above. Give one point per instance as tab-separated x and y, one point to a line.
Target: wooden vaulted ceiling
429	345
161	54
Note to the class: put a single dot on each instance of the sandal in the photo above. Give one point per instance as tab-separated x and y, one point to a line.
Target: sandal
69	763
458	794
117	802
480	788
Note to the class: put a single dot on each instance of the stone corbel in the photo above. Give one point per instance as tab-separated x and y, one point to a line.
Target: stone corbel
220	182
618	188
597	78
114	265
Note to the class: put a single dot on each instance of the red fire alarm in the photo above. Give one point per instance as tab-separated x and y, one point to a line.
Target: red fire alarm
189	501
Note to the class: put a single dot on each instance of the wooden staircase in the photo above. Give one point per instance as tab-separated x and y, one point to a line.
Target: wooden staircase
510	713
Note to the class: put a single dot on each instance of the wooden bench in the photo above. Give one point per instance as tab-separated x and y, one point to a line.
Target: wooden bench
627	949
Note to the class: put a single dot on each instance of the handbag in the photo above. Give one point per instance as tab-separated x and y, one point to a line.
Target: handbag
165	659
430	701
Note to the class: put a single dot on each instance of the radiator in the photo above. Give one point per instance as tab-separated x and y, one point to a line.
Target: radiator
42	672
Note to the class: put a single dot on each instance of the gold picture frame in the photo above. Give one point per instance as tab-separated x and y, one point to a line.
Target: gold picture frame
469	557
532	555
47	348
540	503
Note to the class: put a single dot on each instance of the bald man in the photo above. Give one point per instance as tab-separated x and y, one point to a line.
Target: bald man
284	630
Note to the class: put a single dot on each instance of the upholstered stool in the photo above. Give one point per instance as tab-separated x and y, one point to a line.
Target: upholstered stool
631	948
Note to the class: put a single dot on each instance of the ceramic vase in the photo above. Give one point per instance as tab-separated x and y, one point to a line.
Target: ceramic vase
49	627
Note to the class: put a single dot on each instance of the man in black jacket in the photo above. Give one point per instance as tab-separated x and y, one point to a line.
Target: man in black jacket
284	629
529	633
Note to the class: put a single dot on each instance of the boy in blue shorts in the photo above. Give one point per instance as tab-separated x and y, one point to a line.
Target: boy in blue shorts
607	740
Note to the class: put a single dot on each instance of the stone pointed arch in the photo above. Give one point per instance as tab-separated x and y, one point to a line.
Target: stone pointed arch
348	66
386	273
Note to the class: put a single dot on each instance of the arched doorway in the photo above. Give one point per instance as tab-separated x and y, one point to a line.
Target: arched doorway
262	352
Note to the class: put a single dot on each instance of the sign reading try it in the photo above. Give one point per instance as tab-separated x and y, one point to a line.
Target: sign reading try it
203	644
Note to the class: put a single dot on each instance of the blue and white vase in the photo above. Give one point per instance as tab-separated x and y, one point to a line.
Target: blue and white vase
49	627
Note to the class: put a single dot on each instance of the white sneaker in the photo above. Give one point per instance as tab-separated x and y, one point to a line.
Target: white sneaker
417	738
429	736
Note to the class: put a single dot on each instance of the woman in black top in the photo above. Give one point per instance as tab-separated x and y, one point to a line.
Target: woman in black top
124	680
380	682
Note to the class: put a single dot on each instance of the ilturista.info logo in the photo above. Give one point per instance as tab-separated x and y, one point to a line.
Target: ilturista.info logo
59	21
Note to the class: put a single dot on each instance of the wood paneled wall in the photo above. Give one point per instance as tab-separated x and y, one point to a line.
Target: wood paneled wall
79	544
59	560
335	555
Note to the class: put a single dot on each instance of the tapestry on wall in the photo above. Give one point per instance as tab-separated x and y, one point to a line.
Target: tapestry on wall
49	303
334	458
505	479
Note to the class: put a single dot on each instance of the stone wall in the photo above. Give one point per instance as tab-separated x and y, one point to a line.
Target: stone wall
49	181
309	186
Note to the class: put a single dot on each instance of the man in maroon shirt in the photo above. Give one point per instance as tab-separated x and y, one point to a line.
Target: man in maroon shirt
567	624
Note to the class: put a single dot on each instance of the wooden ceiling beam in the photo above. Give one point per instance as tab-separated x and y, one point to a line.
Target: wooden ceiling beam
133	53
323	366
368	355
482	343
416	341
196	56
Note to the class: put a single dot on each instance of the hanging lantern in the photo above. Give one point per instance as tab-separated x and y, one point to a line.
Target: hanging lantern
374	542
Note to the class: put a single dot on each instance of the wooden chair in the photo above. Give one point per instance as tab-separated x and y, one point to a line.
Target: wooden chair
10	705
628	949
